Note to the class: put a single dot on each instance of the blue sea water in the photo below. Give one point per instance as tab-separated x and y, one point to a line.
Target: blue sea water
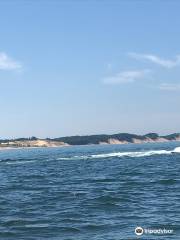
90	192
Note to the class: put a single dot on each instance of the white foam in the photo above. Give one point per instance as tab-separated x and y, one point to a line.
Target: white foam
19	162
132	154
177	150
105	155
123	154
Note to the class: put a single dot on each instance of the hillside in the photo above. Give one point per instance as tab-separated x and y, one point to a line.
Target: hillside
121	138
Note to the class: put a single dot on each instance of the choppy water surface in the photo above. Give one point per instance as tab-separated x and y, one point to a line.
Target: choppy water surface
89	192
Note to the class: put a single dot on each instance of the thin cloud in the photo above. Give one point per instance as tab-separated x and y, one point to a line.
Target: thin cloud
166	63
170	87
126	77
7	63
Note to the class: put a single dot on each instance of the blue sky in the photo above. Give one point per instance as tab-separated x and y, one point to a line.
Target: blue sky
75	67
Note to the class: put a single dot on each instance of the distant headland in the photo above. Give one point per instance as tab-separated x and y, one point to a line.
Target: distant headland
120	138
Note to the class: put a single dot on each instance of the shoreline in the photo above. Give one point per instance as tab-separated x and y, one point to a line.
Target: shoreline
68	145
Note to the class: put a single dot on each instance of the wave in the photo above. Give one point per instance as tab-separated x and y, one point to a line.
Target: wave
176	150
19	162
98	156
123	154
12	161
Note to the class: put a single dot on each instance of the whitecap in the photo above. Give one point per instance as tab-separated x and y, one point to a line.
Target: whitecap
122	154
177	150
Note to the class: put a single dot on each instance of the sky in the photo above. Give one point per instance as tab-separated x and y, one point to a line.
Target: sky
89	67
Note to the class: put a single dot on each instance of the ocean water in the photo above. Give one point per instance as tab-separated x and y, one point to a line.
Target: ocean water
90	192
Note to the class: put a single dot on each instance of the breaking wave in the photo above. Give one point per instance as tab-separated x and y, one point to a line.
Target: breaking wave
131	154
123	154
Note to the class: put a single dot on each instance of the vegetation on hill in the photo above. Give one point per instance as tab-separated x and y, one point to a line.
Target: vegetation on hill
89	139
96	139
